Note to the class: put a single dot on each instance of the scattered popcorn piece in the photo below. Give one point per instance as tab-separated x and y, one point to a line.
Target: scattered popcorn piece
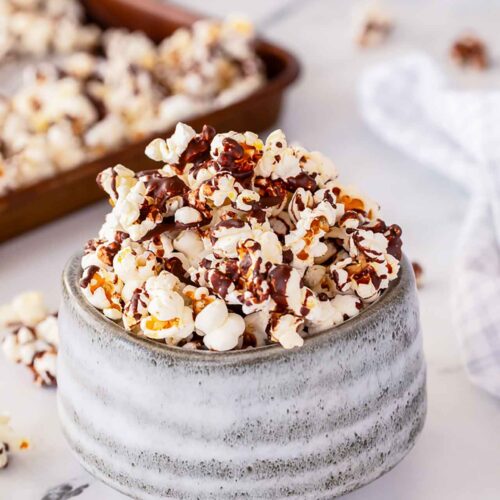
4	455
418	270
470	51
31	336
24	444
372	26
236	242
5	438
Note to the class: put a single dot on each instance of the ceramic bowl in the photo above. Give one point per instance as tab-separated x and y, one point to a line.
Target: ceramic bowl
315	422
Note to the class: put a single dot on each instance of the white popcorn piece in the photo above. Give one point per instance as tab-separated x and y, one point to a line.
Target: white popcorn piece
187	216
169	319
285	331
170	151
225	337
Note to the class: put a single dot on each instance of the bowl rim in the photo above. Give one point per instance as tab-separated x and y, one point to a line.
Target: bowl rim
92	316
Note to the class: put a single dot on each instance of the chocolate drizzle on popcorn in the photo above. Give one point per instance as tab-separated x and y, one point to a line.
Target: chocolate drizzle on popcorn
32	336
84	104
235	243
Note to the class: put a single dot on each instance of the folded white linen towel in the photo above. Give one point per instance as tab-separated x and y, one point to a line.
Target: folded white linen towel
410	105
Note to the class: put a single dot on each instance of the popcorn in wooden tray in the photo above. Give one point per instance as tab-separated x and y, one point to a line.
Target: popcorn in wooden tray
82	105
41	27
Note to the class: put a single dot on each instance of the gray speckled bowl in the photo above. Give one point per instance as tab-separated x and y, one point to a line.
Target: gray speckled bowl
161	422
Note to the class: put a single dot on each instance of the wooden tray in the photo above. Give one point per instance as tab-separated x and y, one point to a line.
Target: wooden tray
49	199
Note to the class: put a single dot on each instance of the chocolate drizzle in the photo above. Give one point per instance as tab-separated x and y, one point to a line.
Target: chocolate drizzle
107	253
287	256
135	300
230	224
164	188
234	160
367	275
198	149
278	280
87	276
220	283
174	266
167	226
113	174
393	236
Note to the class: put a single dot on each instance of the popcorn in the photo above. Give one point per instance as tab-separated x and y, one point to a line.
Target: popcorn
4	455
39	28
372	25
284	329
470	51
255	328
168	318
81	105
220	329
225	337
27	308
5	435
103	289
31	336
170	151
418	271
236	243
127	48
221	53
133	267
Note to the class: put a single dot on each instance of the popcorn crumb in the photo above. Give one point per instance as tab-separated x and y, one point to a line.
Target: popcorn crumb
236	243
5	435
24	445
39	28
4	455
470	51
372	26
418	271
31	336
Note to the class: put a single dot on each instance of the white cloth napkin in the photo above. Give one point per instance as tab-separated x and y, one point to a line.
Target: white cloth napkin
409	104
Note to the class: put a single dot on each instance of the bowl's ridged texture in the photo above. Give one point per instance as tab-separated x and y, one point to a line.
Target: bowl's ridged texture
310	423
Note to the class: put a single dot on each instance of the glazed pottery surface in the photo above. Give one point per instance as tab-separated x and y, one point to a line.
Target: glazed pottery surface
310	423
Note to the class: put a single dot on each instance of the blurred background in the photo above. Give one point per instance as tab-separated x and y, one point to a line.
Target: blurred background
457	457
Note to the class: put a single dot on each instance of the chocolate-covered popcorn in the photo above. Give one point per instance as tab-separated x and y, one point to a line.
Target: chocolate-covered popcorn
84	105
235	242
31	336
40	27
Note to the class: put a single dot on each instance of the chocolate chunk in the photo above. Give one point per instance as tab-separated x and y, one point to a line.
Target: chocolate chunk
303	180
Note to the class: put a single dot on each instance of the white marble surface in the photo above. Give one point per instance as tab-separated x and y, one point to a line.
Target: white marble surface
458	455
